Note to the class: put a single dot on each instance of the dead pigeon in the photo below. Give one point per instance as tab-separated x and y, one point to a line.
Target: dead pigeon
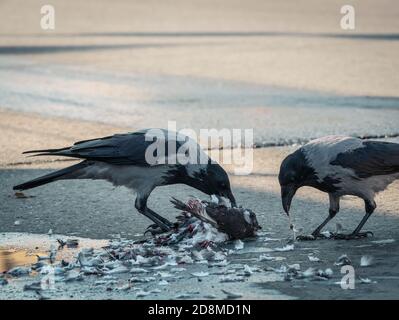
237	223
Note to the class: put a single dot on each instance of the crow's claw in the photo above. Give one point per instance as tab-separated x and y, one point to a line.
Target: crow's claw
155	229
305	237
352	236
311	237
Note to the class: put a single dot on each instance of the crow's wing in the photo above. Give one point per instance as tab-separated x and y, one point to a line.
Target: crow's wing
119	149
374	158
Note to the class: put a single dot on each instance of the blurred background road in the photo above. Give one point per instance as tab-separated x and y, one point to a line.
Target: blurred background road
284	68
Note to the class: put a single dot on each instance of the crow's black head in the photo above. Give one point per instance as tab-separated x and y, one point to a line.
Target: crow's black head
294	173
212	179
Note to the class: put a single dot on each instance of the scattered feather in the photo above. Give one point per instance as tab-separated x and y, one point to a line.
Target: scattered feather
231	295
142	280
313	258
138	270
327	234
386	241
366	261
222	263
232	278
366	280
200	274
178	269
186	259
288	247
21	195
324	275
343	261
183	296
142	293
155	291
73	276
295	266
19	271
238	245
310	272
125	287
72	243
34	286
164	274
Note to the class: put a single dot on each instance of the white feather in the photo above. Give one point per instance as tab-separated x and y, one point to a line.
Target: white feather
366	261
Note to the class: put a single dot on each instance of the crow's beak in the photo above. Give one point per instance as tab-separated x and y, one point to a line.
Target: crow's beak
230	196
287	193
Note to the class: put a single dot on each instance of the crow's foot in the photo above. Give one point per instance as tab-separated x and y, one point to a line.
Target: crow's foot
158	218
155	229
352	236
311	237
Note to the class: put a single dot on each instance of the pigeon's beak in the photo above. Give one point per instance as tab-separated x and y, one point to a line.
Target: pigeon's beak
287	193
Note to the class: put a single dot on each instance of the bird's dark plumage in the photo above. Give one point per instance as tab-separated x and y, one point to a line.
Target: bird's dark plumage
340	166
119	149
50	177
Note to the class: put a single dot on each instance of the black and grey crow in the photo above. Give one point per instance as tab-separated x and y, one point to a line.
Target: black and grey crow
340	166
141	161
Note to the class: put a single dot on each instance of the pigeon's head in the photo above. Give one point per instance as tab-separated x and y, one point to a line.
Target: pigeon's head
294	173
214	180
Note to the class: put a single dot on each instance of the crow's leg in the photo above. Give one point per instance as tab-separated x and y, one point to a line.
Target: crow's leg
164	220
317	232
154	228
141	201
159	222
356	234
334	208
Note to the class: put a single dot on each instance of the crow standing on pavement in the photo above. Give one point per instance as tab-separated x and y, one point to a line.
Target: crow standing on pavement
340	166
122	159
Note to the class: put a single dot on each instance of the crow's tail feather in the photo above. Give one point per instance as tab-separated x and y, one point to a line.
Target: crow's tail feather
46	150
50	177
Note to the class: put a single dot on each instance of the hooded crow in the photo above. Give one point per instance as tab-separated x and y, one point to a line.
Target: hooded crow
141	161
340	166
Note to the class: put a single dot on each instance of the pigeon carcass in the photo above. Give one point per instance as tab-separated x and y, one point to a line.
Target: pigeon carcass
237	223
